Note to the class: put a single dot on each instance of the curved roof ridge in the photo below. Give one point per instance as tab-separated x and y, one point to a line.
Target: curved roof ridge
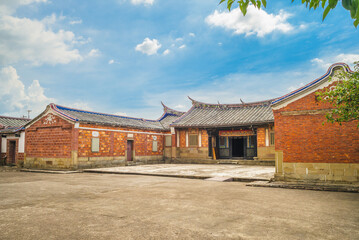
203	104
59	108
171	110
329	71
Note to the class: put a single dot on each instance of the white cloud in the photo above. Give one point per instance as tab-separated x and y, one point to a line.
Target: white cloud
256	21
179	39
23	39
16	99
94	53
80	105
145	2
180	107
327	61
295	87
165	52
192	34
111	61
10	6
148	46
75	22
220	44
182	46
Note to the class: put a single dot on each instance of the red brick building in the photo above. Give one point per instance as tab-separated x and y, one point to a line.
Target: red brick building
215	133
309	148
67	138
12	139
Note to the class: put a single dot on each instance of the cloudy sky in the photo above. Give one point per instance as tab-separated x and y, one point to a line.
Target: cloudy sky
125	56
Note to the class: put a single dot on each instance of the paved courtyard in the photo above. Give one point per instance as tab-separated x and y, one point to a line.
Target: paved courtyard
110	206
246	172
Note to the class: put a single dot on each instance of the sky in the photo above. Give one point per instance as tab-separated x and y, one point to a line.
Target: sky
126	56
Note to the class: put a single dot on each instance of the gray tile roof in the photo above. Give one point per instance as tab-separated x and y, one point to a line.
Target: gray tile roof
161	124
12	122
226	115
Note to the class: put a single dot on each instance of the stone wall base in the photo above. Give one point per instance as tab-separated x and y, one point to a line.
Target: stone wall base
193	153
49	163
100	162
155	159
319	172
193	161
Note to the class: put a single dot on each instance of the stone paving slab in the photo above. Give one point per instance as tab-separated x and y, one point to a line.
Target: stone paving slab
308	186
199	171
220	179
48	171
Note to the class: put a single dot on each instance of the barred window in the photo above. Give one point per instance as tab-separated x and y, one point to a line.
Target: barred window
271	136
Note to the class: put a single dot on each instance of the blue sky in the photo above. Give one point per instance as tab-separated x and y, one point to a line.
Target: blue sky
125	56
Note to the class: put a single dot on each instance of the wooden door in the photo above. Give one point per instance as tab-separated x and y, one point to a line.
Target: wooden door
12	152
129	150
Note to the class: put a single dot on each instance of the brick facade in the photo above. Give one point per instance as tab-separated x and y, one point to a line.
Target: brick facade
114	143
59	144
308	147
306	136
49	139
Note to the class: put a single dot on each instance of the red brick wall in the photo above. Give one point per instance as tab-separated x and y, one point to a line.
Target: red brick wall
304	138
261	137
204	136
182	138
44	139
115	143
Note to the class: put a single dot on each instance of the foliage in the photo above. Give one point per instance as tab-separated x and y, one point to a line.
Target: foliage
344	97
327	5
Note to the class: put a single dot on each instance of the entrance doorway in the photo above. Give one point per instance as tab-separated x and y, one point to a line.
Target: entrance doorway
12	152
129	150
238	147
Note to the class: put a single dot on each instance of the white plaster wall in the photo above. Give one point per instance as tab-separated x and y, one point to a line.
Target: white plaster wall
3	145
21	148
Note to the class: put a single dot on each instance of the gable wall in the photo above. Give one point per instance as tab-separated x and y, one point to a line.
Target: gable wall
307	148
49	138
49	143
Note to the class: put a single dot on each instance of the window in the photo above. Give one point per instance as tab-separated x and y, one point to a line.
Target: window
193	140
251	141
223	142
95	146
154	146
168	140
271	138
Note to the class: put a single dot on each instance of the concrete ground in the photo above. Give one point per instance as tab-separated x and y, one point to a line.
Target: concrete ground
196	170
110	206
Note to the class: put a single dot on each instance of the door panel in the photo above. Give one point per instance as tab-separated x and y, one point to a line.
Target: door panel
12	152
129	150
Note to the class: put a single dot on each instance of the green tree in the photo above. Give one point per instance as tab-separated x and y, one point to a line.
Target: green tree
327	5
344	97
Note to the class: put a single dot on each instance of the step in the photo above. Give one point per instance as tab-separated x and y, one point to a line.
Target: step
220	179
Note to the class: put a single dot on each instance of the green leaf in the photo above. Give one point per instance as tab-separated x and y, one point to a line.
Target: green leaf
356	22
326	11
333	3
323	3
229	4
264	2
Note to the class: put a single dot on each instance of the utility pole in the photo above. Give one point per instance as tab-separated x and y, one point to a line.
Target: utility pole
28	114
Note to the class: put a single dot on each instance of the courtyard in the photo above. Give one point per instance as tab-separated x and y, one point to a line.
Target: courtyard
112	206
200	171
